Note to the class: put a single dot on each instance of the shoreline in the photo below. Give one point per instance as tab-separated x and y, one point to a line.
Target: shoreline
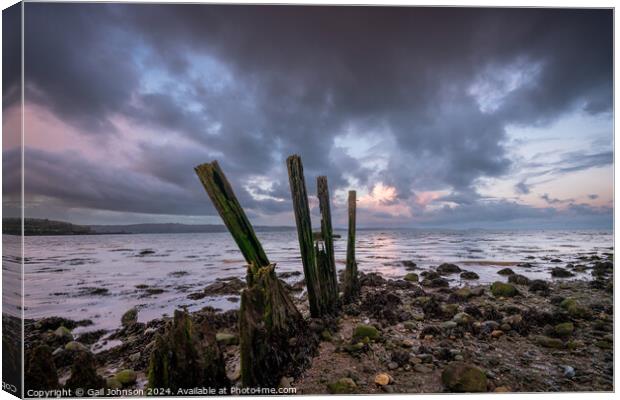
514	339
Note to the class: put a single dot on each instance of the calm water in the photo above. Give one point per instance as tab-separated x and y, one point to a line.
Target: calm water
59	269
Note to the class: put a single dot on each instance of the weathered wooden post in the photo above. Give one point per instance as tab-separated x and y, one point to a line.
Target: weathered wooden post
351	281
274	338
186	357
327	263
304	232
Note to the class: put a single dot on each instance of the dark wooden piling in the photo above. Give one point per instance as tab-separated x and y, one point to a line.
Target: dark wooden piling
351	280
274	338
186	356
327	263
304	233
227	205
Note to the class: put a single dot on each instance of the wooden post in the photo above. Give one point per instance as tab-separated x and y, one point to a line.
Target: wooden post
273	336
327	266
226	204
304	232
351	281
186	356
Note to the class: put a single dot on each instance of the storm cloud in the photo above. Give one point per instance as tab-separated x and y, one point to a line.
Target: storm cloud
418	99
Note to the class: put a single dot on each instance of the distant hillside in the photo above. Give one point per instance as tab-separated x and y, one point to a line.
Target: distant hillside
33	226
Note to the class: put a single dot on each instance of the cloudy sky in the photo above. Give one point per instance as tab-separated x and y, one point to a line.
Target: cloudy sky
496	118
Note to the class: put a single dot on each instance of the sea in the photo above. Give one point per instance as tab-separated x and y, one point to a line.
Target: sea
99	277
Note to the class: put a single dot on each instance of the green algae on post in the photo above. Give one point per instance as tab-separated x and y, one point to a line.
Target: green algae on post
273	335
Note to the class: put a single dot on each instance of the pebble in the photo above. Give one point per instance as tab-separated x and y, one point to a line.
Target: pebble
497	333
569	372
421	369
383	379
426	358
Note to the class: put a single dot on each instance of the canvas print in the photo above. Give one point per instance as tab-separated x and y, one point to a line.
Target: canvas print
234	199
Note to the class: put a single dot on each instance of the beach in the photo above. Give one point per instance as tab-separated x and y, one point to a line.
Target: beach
431	297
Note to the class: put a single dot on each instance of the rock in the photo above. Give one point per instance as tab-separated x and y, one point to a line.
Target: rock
501	289
286	382
574	344
449	309
75	346
91	337
410	325
425	357
602	268
113	383
463	318
502	389
383	379
497	334
569	372
288	274
342	386
392	365
63	334
422	369
226	339
430	275
538	285
126	377
53	323
559	272
411	277
365	331
435	283
41	371
564	329
130	317
93	291
461	377
519	279
513	322
134	357
84	373
447	268
461	294
447	325
604	344
575	309
469	275
506	271
372	279
548	342
226	286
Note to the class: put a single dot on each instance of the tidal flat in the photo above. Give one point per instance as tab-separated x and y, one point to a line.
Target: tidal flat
518	311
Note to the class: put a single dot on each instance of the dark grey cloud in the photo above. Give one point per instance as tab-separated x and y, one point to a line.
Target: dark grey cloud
522	188
290	79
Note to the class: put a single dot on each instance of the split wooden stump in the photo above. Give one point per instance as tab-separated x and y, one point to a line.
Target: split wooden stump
317	257
274	338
